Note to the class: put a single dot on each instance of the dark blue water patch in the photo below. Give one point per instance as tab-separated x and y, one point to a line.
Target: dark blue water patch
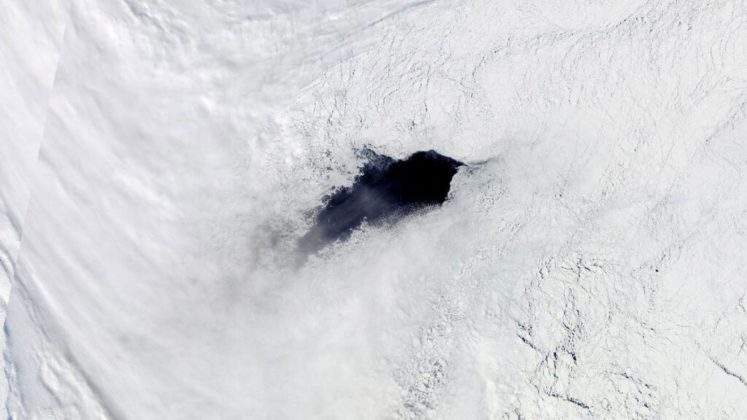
385	190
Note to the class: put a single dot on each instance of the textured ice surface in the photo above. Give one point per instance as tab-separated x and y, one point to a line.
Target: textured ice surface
591	267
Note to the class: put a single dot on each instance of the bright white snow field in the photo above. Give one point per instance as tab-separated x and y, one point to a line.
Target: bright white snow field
160	159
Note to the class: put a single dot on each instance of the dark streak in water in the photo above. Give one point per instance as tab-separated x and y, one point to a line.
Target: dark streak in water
385	190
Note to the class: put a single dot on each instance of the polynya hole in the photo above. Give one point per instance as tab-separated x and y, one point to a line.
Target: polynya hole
386	189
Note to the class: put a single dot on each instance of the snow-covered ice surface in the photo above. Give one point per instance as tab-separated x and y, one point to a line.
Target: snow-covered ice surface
30	39
590	262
